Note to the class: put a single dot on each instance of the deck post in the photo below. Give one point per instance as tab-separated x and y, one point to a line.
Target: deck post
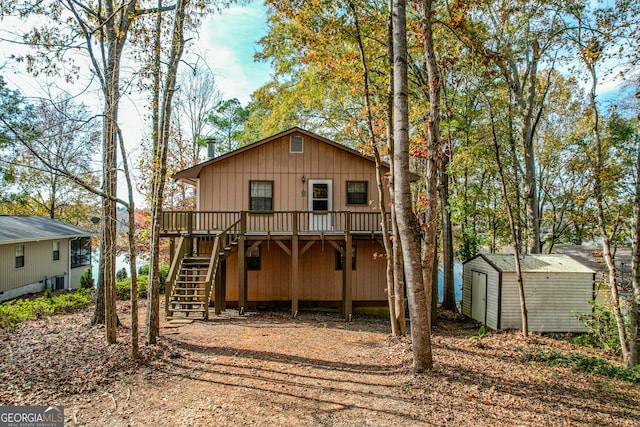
219	302
242	264
346	271
295	268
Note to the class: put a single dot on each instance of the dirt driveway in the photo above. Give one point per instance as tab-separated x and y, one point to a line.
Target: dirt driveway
271	370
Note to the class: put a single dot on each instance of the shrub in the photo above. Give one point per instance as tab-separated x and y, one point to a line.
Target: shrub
162	278
603	329
86	280
123	288
580	362
121	274
17	311
47	293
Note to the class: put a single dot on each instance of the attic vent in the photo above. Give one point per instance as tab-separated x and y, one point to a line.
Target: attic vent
296	145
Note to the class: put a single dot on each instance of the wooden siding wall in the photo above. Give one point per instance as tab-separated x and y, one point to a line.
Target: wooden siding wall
551	300
480	265
38	263
320	281
225	185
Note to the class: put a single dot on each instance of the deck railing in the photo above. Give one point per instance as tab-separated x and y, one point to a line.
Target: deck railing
276	222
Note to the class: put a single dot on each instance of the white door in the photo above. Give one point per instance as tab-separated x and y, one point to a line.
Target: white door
320	203
479	296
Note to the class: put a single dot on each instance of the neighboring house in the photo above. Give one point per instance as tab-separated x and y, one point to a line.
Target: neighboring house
38	253
556	287
273	222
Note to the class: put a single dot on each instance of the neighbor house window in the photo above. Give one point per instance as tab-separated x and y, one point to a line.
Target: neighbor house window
261	196
81	252
357	193
253	259
296	144
56	251
19	256
340	258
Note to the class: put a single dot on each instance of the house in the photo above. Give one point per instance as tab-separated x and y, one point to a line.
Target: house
556	287
274	222
38	253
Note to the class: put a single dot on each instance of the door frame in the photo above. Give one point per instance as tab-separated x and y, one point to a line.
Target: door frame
323	221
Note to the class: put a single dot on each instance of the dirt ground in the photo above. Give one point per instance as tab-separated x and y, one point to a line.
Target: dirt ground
267	369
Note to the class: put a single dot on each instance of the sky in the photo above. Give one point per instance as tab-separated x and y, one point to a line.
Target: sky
226	40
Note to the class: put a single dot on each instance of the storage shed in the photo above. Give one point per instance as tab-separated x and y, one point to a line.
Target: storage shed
556	288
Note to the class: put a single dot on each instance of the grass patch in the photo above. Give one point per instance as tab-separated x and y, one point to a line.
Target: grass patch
580	362
14	312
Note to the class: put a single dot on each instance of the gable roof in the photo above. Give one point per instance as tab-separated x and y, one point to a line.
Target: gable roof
538	263
16	229
194	171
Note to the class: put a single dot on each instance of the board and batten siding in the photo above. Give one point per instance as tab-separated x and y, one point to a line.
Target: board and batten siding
319	280
480	265
38	263
551	298
224	185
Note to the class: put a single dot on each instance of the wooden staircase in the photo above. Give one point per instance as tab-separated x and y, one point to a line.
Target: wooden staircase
189	296
191	278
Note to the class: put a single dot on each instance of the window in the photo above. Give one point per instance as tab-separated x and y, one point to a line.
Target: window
56	251
261	196
80	252
19	256
357	193
340	260
253	258
296	144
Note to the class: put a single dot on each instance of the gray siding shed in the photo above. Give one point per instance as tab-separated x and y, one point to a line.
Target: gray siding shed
556	287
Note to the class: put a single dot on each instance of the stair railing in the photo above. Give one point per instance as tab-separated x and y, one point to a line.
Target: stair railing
223	240
173	272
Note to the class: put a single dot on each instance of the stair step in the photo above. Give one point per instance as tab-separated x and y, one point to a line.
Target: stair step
188	310
173	303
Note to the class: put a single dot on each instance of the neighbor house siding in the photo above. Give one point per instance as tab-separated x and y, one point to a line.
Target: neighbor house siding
38	263
224	185
479	264
319	280
547	311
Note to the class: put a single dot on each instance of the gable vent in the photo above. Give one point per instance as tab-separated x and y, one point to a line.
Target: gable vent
296	144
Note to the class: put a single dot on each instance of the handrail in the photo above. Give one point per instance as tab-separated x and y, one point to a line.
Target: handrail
216	222
173	272
222	240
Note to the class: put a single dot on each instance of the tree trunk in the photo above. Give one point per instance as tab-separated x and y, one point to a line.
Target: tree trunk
98	311
398	269
153	294
512	226
407	223
604	235
634	339
379	178
433	157
164	123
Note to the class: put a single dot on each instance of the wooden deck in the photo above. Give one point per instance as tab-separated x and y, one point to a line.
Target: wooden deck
238	232
277	225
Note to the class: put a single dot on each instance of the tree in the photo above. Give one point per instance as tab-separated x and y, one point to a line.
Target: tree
65	137
196	99
162	110
228	121
418	295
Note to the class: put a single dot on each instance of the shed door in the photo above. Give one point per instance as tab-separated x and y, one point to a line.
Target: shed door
320	203
479	296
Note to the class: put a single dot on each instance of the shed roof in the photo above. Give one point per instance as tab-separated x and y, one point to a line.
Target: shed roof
15	229
539	263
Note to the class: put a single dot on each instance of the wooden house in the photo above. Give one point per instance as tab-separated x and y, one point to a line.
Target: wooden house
556	287
38	253
273	224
